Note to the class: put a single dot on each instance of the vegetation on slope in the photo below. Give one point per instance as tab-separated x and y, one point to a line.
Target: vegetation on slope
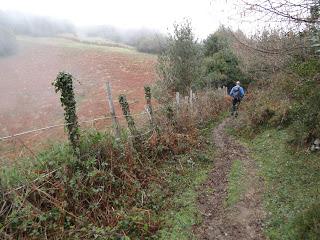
292	181
106	192
280	117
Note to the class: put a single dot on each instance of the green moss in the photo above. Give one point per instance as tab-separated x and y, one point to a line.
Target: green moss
292	183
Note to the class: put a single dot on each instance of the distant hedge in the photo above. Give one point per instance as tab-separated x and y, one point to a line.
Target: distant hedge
8	43
155	43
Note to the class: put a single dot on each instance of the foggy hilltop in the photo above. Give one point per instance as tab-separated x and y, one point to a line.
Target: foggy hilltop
14	23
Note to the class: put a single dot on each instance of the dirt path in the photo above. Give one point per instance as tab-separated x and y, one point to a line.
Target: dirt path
244	219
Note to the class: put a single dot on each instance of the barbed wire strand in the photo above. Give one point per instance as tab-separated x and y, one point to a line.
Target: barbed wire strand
66	124
53	171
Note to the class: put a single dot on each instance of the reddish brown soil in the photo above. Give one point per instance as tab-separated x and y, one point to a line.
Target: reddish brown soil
244	220
28	101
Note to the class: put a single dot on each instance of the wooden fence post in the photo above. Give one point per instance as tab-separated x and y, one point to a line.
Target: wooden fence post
186	99
126	112
115	122
147	94
191	99
225	91
178	98
177	102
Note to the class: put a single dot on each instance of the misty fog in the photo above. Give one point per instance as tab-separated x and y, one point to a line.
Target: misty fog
16	23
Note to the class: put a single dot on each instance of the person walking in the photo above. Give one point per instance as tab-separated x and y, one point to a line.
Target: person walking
237	93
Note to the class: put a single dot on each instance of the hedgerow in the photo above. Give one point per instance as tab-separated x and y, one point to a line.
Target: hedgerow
107	197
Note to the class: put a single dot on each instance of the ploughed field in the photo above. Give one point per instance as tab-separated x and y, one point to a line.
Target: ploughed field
28	100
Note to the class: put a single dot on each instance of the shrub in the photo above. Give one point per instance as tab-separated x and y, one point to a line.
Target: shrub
267	104
179	65
64	84
221	65
305	113
82	204
155	43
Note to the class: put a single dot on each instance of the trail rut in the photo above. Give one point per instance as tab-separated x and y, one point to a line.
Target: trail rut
244	220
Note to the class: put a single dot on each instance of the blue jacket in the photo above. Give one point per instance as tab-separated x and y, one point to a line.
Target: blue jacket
232	92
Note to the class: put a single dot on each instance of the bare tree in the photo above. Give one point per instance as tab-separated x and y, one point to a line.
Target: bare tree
293	17
297	12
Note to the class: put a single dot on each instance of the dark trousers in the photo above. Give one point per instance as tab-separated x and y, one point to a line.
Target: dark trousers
235	105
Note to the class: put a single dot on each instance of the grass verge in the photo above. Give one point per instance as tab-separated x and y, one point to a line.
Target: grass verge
236	183
292	192
176	197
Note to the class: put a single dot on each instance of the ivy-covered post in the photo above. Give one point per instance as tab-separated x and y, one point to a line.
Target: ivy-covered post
147	94
126	112
170	115
64	84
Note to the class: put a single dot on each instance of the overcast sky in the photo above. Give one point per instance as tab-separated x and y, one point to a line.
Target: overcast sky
206	15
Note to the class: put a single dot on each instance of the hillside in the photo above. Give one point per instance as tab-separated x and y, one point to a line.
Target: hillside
29	101
213	139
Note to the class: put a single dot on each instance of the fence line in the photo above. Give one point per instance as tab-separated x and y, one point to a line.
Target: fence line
66	124
53	171
222	90
86	121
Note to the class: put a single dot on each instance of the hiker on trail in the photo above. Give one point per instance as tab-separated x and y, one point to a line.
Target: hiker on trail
237	94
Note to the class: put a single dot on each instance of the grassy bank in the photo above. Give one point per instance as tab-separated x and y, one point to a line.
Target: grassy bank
115	191
179	191
292	180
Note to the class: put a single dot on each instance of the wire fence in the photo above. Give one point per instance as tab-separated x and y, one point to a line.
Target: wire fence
16	138
64	125
21	144
29	142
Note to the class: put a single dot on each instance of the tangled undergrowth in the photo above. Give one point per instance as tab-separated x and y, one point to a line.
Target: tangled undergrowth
285	100
104	197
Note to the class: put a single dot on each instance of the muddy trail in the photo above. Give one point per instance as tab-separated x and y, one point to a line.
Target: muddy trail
243	220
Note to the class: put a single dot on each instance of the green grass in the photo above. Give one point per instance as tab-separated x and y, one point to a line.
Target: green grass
27	169
236	184
66	43
179	210
292	182
183	212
